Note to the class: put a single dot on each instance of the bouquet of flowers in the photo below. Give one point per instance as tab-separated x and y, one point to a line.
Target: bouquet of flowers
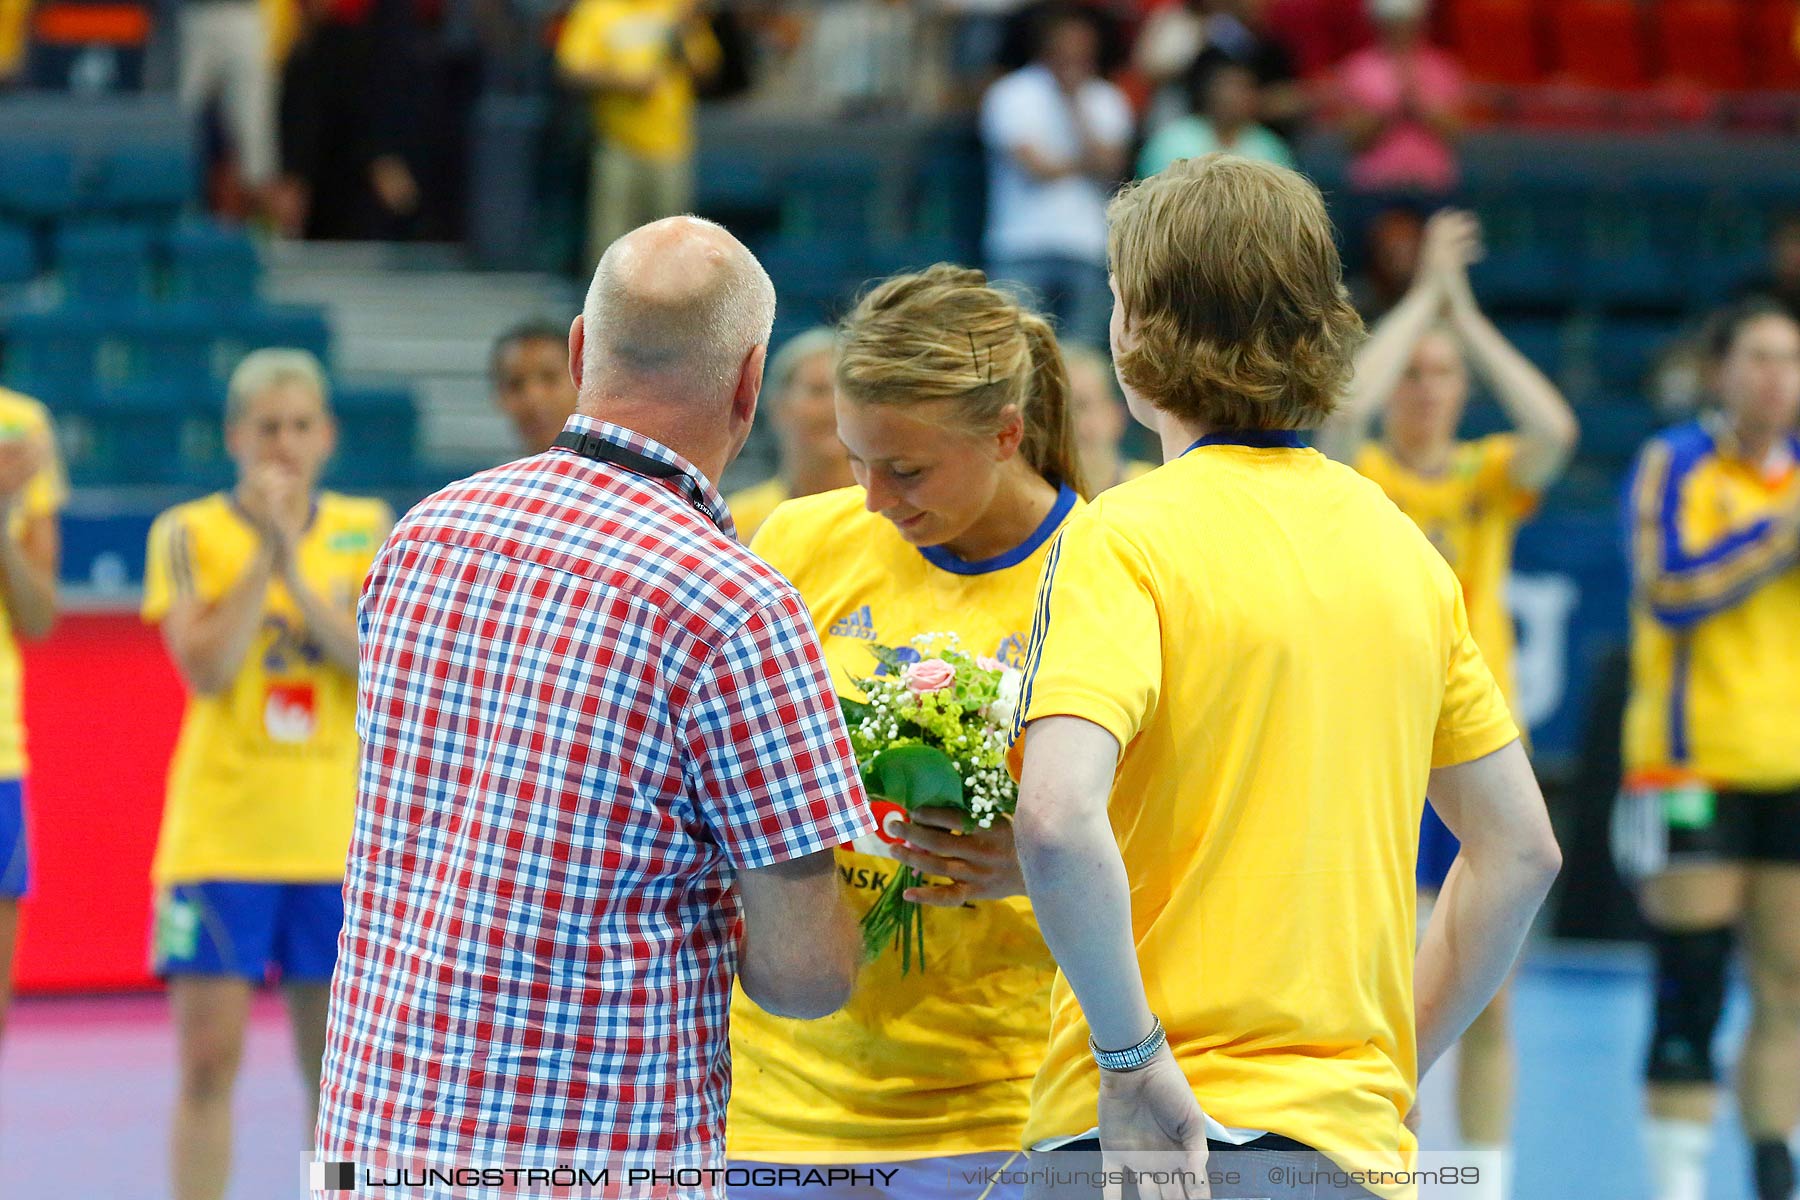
931	732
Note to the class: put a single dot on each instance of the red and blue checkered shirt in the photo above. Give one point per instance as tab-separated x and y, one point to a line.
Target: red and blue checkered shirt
584	707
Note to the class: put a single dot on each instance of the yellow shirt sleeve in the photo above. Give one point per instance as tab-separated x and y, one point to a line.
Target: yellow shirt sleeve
582	46
1495	482
1474	720
175	567
776	544
1096	638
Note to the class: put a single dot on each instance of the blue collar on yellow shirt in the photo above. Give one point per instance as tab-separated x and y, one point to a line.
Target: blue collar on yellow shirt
942	559
1258	439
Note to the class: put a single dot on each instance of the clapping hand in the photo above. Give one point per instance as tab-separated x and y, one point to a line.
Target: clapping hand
276	503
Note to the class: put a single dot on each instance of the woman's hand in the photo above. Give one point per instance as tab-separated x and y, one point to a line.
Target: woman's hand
981	864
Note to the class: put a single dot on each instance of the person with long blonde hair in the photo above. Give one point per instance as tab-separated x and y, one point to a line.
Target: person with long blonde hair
953	402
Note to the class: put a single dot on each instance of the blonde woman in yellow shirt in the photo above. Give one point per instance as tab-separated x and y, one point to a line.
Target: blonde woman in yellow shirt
953	403
800	398
1469	498
255	591
32	492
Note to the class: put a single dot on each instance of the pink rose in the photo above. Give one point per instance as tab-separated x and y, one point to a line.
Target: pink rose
929	675
990	664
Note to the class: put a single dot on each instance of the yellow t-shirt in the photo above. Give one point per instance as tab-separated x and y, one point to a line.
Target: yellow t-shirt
1471	513
752	506
1715	616
636	38
44	496
263	782
1284	658
933	1062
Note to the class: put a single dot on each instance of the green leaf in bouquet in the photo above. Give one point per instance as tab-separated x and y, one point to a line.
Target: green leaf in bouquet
854	711
915	777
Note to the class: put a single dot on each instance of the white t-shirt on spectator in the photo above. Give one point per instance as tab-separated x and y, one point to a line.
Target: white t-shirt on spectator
1065	217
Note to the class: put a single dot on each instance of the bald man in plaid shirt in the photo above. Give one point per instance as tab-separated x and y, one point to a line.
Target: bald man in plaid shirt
603	768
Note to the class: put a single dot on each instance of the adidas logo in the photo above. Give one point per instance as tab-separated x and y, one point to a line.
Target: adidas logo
858	624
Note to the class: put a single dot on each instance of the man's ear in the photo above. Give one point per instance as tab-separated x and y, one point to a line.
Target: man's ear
749	385
577	342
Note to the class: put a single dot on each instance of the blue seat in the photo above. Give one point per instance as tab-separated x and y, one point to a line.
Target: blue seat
1613	431
912	254
138	431
294	326
103	262
18	254
1537	338
40	181
170	344
816	275
151	180
1625	348
830	197
52	354
212	262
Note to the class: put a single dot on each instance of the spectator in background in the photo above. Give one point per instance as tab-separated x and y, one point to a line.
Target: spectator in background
1401	102
1099	413
223	54
529	372
32	491
640	60
353	106
1391	259
255	593
802	405
1781	282
1057	138
1224	123
1237	32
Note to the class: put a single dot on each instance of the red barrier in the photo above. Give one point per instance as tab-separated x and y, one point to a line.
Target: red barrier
102	705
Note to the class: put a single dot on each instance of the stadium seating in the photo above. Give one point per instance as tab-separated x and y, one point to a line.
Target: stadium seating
1499	41
18	254
1704	42
1600	43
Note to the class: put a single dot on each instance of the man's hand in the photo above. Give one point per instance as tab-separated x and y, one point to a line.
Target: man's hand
1150	1122
981	864
21	458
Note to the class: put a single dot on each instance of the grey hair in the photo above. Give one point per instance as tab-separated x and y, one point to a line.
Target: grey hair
709	348
786	362
262	370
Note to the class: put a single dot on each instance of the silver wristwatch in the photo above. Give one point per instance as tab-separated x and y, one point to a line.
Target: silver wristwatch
1132	1058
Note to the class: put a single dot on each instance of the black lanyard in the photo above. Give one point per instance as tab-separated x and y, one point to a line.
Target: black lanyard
601	450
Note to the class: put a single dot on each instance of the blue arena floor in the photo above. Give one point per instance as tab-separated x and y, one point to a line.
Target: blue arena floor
85	1086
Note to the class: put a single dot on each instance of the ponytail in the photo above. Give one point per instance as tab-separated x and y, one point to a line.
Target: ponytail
1050	445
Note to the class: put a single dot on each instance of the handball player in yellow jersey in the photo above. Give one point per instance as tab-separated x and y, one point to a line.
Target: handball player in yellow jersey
1709	819
1469	497
32	492
801	395
255	591
1245	668
953	403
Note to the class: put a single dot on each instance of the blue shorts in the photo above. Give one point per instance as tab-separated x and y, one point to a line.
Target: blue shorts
15	861
249	930
952	1177
1438	848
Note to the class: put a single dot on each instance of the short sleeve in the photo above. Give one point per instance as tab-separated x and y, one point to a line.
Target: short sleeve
768	758
168	566
1474	720
582	44
1007	121
1110	115
175	566
1495	476
48	490
1096	638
